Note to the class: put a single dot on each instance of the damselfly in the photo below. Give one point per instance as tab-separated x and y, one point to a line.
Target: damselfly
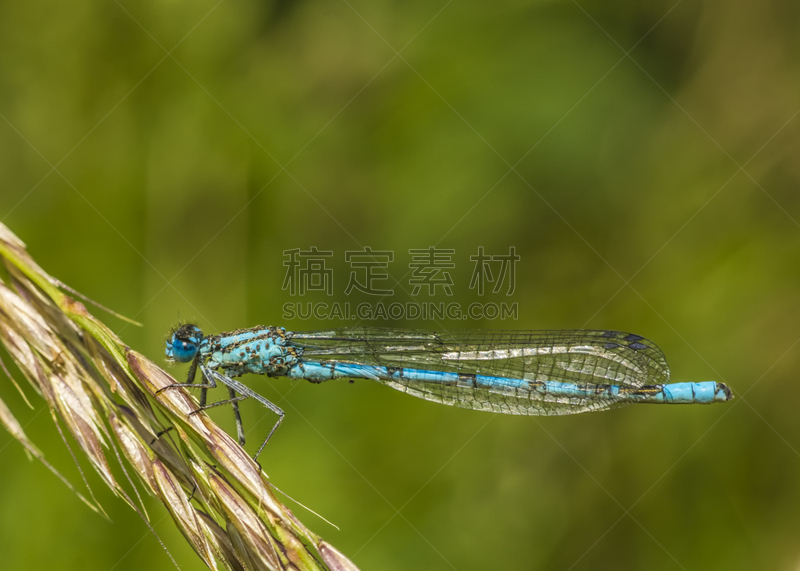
508	372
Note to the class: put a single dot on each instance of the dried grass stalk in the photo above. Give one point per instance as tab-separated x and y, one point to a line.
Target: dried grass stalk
106	396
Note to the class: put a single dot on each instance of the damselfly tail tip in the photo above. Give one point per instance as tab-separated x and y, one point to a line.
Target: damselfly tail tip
723	393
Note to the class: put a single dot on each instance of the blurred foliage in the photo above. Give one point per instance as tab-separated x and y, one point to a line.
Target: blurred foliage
160	157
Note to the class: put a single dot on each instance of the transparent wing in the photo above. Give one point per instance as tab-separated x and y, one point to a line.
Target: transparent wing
571	356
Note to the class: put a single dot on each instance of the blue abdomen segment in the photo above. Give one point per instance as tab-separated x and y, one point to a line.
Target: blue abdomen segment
676	393
325	371
687	393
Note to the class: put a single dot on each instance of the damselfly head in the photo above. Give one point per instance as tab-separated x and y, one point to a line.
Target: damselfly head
184	342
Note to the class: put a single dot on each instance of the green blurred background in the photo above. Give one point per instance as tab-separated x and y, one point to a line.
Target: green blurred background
160	157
